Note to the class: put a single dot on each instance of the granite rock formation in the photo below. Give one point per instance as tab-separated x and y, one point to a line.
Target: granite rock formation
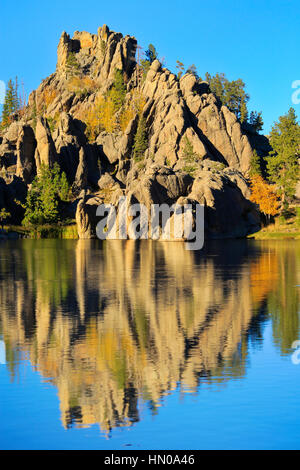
52	129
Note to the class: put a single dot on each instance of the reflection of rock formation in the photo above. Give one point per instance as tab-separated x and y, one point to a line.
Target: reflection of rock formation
109	326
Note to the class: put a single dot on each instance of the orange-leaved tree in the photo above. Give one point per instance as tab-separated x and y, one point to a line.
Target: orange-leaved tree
264	195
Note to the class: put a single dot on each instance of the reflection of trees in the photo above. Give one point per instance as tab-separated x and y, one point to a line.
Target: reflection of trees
134	320
283	301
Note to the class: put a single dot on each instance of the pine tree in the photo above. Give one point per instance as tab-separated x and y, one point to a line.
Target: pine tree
243	111
118	90
42	203
255	167
151	55
180	67
231	94
193	70
282	162
10	105
188	151
217	85
140	140
16	95
72	65
256	120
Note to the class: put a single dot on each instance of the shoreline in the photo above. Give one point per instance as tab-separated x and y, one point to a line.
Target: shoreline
280	233
66	232
69	231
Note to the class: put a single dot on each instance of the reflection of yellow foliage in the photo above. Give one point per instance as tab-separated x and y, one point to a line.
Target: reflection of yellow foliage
263	275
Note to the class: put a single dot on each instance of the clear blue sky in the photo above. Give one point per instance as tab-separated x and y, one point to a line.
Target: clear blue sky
256	40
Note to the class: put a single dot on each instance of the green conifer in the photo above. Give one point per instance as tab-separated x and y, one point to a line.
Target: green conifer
140	140
282	163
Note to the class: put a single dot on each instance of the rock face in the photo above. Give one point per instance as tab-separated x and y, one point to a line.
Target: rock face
8	145
26	145
53	129
86	216
158	185
45	153
99	55
177	110
228	213
81	177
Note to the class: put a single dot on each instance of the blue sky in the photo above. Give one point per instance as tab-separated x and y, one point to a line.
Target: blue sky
256	40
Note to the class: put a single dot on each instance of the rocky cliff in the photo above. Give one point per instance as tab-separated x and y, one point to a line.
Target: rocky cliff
101	167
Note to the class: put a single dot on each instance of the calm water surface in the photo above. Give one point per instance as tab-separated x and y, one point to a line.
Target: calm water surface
127	345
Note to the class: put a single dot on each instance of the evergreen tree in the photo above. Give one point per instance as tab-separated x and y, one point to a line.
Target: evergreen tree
256	120
118	90
231	93
237	98
255	167
72	65
242	112
282	162
189	156
140	140
188	151
193	70
217	85
180	67
150	56
11	103
49	187
16	95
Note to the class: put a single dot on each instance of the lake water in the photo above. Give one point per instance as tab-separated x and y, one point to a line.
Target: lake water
144	345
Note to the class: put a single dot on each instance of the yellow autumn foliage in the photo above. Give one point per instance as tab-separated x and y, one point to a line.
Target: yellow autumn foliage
100	117
264	195
135	105
49	95
125	117
137	101
77	84
103	115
